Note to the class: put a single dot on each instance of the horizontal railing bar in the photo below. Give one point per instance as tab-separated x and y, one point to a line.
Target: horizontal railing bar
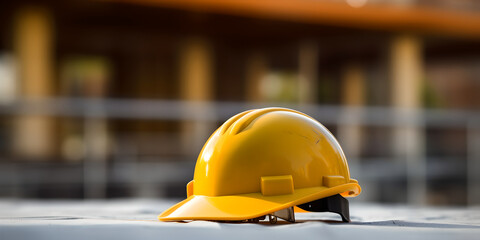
172	110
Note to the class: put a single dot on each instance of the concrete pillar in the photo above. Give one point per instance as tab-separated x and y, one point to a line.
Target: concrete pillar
407	71
33	42
307	68
196	86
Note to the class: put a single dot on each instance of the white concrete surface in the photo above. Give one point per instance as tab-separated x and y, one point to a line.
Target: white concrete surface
136	219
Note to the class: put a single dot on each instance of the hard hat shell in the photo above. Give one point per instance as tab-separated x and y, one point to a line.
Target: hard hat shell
261	161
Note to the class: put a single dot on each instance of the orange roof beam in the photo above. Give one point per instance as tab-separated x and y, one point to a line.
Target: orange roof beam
374	16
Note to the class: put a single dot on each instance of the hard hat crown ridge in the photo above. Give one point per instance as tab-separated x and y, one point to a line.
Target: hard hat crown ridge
263	161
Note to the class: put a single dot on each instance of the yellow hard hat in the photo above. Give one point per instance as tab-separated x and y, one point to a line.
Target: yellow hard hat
264	162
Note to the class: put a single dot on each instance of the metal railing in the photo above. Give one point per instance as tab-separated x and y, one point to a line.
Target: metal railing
214	112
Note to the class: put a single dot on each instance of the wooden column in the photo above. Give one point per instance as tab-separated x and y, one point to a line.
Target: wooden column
196	86
350	132
353	98
406	64
307	68
257	68
33	43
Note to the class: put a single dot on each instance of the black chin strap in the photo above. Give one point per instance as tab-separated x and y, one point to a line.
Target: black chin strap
335	203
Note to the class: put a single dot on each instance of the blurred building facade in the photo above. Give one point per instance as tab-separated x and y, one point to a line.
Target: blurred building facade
116	98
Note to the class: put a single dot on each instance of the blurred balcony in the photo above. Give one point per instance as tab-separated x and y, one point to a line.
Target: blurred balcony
102	99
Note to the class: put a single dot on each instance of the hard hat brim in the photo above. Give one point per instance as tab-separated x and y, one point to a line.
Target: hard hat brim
247	206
